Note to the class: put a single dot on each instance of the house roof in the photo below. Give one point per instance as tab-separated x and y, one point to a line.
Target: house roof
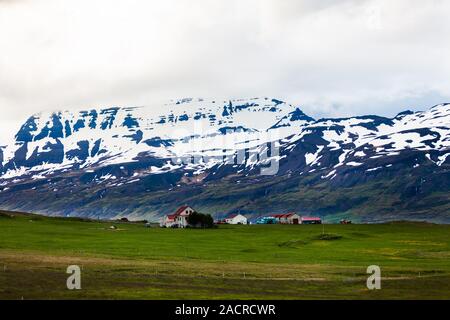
311	219
283	215
234	215
180	210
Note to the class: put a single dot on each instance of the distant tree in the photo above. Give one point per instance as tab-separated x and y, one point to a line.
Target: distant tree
208	221
200	220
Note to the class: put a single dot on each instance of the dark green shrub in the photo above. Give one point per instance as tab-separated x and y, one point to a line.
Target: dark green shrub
200	220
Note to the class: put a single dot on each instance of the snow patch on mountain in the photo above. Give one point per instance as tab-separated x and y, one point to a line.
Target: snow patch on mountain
213	132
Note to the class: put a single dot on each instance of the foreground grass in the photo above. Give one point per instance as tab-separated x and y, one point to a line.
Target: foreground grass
232	262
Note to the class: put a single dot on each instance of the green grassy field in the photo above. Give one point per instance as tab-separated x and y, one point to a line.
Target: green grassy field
231	262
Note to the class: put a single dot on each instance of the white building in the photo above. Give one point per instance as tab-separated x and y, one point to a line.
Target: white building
236	219
178	219
287	218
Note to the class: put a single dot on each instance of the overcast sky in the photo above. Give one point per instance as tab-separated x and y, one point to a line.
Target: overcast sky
333	58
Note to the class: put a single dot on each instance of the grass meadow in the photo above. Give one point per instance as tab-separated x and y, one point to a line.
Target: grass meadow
230	262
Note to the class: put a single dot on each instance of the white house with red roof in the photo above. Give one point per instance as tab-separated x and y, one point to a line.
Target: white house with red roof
287	218
178	218
236	219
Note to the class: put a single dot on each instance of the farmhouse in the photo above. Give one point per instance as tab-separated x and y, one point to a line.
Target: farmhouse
236	219
287	218
168	221
311	220
177	219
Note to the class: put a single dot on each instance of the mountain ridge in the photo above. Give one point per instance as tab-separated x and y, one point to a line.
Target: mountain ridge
185	145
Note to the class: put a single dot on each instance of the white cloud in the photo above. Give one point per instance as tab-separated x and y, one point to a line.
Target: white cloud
335	58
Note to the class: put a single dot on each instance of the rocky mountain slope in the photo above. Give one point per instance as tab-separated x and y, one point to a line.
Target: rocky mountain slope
256	156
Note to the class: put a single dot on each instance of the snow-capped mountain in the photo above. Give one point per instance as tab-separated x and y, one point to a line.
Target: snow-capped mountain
214	154
356	141
63	140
